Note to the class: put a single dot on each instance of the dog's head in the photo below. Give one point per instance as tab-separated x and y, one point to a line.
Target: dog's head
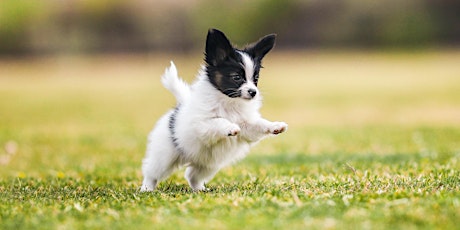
232	71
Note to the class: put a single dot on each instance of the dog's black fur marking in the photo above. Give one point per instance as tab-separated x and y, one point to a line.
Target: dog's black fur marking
172	126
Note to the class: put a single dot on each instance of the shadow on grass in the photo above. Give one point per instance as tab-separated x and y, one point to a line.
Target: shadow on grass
171	188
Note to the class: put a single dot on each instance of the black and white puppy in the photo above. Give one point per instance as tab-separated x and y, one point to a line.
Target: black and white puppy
216	119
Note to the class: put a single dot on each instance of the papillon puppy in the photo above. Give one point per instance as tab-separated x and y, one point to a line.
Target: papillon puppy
216	119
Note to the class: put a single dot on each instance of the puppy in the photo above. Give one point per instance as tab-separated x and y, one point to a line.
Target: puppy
216	119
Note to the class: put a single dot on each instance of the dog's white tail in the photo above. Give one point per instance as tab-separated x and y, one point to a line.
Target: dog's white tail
171	81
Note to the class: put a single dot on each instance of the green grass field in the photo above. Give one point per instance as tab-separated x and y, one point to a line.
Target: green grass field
373	143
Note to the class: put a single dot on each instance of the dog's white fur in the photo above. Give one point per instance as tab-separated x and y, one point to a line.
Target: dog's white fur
212	130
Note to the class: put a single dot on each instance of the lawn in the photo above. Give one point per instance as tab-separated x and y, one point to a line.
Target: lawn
373	143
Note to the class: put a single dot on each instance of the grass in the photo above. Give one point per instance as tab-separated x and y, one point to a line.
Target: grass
373	144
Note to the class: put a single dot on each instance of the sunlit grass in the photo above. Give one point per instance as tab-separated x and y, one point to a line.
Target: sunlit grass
372	144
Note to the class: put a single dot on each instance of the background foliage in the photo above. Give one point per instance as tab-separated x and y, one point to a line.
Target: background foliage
49	26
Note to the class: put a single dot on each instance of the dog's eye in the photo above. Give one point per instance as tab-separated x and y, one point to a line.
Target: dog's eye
255	78
237	77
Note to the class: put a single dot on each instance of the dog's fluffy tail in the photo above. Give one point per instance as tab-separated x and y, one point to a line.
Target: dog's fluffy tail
171	81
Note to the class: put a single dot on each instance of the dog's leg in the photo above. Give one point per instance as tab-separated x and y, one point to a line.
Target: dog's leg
157	170
198	176
260	129
276	127
157	174
158	165
215	129
149	184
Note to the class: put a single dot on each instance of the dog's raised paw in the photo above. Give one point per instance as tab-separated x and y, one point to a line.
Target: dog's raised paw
277	128
233	130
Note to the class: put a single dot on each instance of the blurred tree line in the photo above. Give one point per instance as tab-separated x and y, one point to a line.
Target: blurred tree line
60	26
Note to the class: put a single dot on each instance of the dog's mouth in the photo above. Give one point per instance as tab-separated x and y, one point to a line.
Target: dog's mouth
247	97
243	94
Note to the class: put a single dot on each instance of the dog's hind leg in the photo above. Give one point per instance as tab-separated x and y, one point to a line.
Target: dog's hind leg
198	176
156	174
149	184
156	170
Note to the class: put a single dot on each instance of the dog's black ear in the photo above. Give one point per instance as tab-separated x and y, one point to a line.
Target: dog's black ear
218	48
260	48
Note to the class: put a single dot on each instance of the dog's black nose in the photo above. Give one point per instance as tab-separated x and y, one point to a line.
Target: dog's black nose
252	92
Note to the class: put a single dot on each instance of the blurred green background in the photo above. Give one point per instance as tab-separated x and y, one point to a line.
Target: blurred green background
87	26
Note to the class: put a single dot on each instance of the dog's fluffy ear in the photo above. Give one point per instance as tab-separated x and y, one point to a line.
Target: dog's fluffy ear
218	48
259	49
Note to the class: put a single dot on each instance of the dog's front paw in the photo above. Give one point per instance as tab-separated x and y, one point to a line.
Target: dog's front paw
277	128
233	130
